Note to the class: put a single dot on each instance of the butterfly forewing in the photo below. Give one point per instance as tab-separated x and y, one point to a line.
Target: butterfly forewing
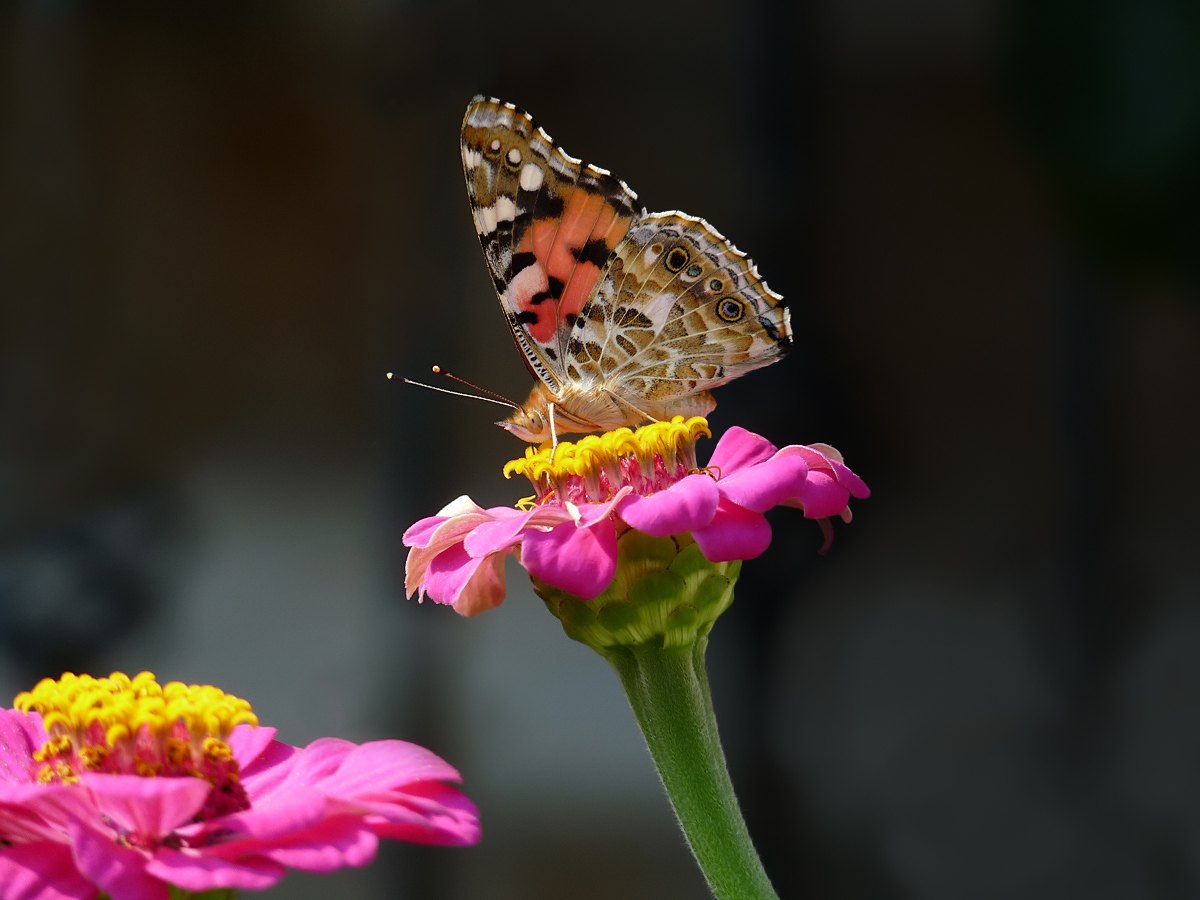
547	223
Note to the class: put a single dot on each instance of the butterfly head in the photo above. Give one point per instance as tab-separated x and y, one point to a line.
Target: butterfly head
529	424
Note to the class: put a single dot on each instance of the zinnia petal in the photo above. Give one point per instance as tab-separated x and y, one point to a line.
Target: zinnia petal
735	533
766	484
822	496
20	735
148	807
684	506
739	448
42	871
197	872
581	561
452	572
118	871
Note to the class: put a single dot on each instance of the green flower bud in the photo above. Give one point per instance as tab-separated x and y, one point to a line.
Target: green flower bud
664	592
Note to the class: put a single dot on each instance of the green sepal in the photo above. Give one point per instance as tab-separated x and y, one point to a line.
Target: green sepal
664	592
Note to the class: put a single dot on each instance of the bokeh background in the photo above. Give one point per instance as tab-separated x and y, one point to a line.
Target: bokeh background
222	223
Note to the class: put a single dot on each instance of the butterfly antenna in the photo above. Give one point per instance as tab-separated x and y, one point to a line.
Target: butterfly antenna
438	370
501	402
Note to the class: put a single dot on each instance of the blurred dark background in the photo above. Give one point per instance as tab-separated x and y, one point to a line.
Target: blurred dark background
222	223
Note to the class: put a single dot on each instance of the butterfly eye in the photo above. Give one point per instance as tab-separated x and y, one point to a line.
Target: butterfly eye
694	271
535	421
677	259
731	310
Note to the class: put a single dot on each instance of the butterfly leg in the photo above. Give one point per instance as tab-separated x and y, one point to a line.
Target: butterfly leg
640	412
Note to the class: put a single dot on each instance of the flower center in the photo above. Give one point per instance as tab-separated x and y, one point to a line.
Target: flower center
123	726
594	468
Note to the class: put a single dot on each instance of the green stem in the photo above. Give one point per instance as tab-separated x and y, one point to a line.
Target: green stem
668	690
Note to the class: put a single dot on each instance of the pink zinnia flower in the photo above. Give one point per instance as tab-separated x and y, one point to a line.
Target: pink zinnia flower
120	786
590	492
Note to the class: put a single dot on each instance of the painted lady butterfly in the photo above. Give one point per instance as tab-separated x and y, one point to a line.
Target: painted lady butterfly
622	315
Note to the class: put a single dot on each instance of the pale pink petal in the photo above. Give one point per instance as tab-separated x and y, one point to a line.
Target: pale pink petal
118	871
492	537
42	871
739	448
591	513
822	496
450	573
198	872
444	535
247	742
735	533
849	480
766	484
420	533
148	807
581	561
485	589
684	506
20	735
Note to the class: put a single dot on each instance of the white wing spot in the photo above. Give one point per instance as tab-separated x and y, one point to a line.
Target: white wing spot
495	144
485	219
506	210
531	177
514	156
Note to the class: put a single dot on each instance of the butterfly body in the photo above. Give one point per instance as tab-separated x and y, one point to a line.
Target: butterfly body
621	315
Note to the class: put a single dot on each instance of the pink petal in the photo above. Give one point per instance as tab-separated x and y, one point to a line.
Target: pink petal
336	843
766	484
739	448
492	537
148	807
684	506
591	513
292	813
21	825
197	872
20	735
312	764
248	743
384	766
42	871
420	533
485	589
580	561
735	533
849	480
428	813
451	572
444	535
118	871
268	770
822	496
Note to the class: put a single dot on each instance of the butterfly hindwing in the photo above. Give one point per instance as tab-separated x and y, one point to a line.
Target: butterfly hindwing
676	311
548	224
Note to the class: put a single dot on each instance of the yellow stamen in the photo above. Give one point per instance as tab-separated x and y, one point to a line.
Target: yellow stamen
589	455
122	707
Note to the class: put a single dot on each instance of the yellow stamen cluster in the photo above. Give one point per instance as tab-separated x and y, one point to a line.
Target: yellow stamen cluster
122	706
588	456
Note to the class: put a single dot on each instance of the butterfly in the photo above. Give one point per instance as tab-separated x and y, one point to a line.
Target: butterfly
622	315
